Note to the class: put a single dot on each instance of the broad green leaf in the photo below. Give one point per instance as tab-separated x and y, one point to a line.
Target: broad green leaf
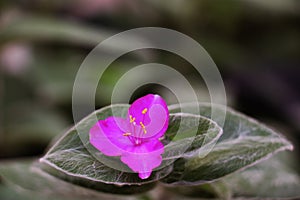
70	159
73	158
23	179
244	142
269	179
272	178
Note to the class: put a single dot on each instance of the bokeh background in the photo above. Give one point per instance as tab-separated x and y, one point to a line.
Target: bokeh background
255	44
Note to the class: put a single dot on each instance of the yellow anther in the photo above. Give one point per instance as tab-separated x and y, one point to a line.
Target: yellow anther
132	119
145	111
126	134
143	127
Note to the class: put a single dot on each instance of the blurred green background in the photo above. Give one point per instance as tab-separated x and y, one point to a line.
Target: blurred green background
254	43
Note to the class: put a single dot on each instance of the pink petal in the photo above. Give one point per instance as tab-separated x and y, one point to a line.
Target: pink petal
107	136
159	121
144	158
156	117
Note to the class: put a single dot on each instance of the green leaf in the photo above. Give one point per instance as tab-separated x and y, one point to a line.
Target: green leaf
74	159
23	179
269	179
71	160
272	178
244	143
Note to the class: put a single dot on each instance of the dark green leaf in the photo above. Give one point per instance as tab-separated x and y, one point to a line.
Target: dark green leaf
244	142
23	179
70	160
73	158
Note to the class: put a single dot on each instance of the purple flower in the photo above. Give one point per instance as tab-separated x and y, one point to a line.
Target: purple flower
137	138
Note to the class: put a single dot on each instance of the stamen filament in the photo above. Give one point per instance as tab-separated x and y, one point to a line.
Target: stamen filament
143	127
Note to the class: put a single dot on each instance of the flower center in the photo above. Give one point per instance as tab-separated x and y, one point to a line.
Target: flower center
135	132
